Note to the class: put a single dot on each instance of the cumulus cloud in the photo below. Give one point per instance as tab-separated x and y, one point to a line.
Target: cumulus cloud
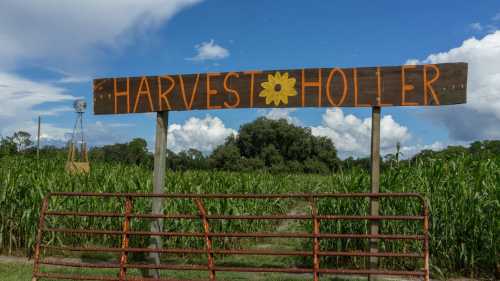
69	30
283	113
479	118
209	51
201	134
351	135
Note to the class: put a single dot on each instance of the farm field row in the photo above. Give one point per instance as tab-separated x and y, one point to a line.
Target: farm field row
463	197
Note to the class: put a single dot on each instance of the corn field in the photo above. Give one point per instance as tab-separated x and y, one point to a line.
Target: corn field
463	194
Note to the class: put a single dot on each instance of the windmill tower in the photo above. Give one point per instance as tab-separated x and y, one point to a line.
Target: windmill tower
78	160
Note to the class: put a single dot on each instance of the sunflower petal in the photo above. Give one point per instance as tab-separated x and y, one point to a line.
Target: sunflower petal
292	93
266	85
269	99
277	100
284	99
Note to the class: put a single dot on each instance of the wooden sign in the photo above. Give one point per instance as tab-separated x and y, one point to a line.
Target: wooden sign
407	85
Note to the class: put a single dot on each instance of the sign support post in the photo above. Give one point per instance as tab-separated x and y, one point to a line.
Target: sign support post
375	183
158	186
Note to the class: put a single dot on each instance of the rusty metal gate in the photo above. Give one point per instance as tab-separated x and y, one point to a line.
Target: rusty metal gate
50	266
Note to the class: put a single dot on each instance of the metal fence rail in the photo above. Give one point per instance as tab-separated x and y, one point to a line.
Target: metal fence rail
207	235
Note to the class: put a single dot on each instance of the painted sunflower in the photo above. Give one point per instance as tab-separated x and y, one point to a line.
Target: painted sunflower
278	88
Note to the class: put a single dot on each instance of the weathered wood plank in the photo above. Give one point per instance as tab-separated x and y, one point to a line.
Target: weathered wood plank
375	184
407	85
158	187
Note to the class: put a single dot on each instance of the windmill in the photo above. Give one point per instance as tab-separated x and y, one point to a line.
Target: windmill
78	161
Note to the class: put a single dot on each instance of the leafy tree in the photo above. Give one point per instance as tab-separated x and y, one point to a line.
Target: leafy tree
186	160
485	148
226	157
325	152
271	156
362	163
280	144
292	142
315	166
22	139
252	164
295	166
137	152
7	146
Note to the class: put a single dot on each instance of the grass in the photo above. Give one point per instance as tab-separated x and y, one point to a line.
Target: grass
11	271
463	193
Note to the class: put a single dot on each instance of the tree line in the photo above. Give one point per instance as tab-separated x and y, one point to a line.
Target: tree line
272	145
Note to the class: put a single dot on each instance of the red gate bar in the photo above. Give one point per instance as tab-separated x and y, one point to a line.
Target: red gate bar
207	235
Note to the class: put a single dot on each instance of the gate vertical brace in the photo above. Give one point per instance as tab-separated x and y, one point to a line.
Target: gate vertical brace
41	226
316	243
158	186
426	241
208	239
125	238
375	184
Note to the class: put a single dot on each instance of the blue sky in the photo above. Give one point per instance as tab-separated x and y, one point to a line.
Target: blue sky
50	51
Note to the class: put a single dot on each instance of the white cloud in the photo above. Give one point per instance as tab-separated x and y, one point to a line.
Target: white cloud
202	134
54	111
100	133
21	99
412	62
76	30
61	35
408	151
73	79
209	51
476	26
283	113
352	135
479	118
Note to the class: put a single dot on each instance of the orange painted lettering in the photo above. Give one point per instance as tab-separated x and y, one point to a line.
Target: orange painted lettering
162	96
311	84
143	91
193	93
211	92
252	82
234	92
121	94
328	86
428	84
406	87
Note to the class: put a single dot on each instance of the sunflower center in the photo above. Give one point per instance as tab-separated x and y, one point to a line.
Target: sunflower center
277	87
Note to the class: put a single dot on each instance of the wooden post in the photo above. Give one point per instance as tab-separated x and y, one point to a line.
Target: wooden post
375	183
38	140
158	186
